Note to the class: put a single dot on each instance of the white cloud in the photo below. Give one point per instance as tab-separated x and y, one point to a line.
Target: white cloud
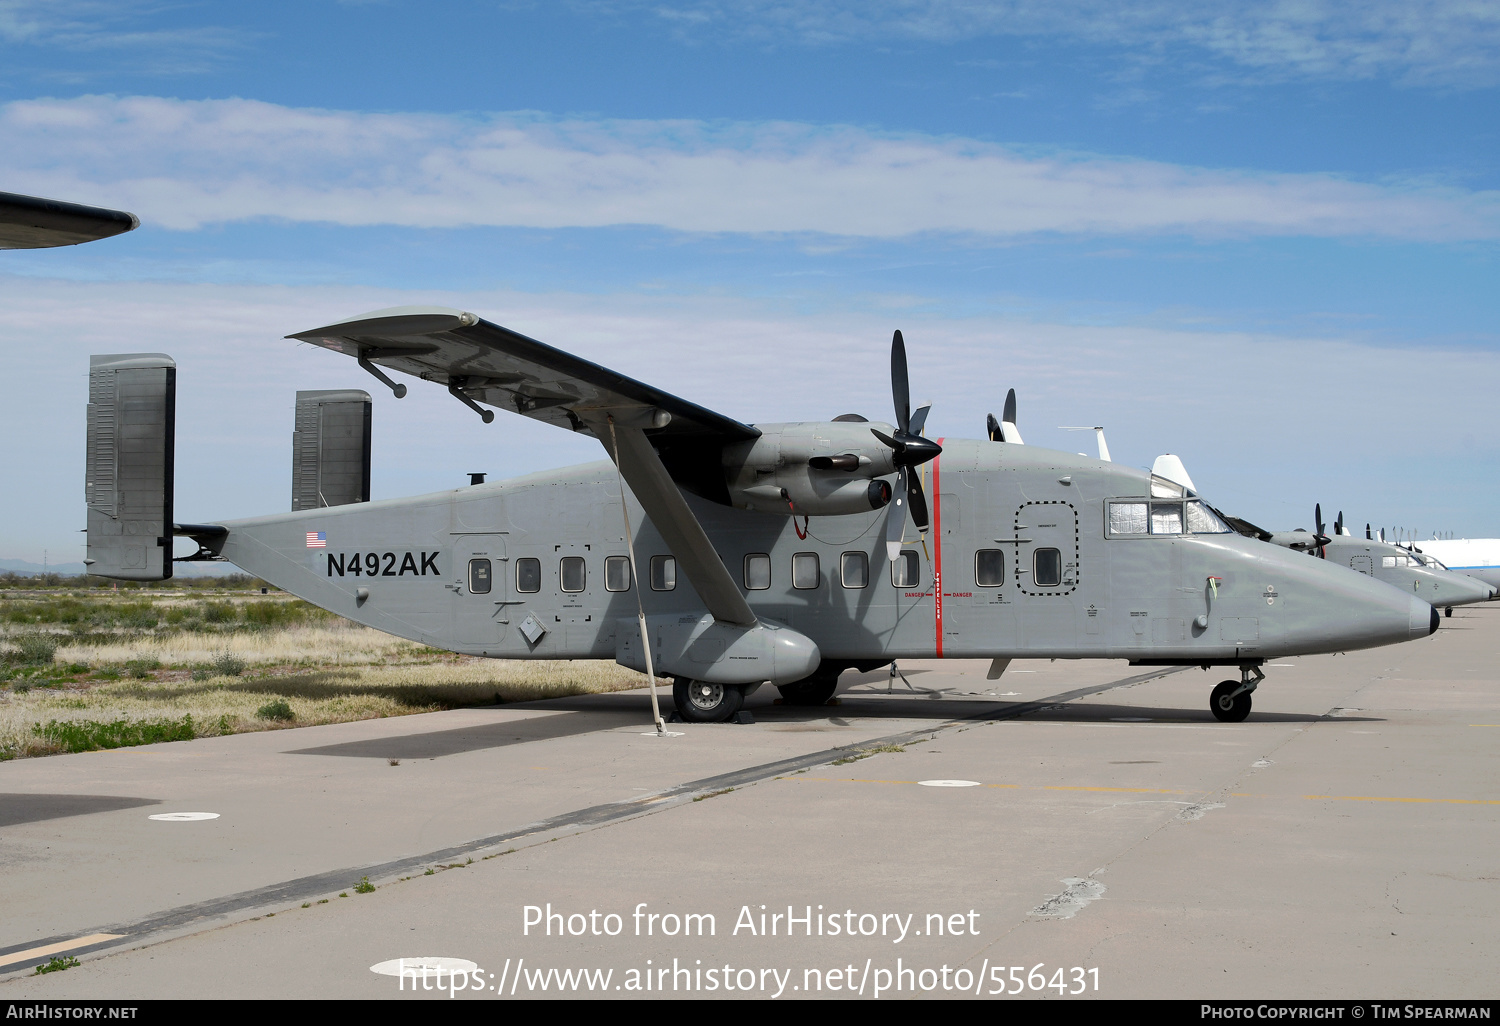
183	164
112	33
1454	43
1254	416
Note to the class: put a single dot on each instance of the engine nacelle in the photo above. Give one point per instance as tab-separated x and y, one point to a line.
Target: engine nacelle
823	469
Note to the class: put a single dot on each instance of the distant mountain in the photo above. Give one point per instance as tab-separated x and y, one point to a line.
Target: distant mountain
28	569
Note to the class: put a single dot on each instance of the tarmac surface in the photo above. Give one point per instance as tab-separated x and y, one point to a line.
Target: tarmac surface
1105	837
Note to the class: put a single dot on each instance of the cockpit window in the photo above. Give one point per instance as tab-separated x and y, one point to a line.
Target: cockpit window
1127	518
1202	520
1166	518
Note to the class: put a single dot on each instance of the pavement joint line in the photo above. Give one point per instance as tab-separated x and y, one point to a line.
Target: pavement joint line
216	911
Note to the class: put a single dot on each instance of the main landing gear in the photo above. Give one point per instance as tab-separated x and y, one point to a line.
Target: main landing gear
698	701
1230	701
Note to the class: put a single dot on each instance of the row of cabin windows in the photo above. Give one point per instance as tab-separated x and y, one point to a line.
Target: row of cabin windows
854	571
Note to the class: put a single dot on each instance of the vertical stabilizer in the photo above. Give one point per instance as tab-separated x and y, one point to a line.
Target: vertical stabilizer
331	448
128	480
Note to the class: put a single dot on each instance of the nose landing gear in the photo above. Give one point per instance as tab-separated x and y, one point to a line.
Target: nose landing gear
1230	701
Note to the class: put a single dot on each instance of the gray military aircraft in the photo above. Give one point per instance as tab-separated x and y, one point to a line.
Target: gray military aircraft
31	222
729	554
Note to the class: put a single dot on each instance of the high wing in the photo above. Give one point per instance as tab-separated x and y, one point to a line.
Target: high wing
505	369
656	439
30	222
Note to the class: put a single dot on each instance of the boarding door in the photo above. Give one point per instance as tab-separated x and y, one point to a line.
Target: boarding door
1364	564
482	591
1046	571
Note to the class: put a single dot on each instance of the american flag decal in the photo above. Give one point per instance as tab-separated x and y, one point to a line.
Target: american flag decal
317	539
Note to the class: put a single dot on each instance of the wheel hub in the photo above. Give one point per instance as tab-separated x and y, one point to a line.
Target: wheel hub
706	696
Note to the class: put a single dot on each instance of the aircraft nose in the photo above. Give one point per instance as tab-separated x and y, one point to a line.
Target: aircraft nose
1424	618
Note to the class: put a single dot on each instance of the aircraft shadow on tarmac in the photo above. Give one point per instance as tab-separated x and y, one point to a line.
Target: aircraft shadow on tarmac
587	714
16	809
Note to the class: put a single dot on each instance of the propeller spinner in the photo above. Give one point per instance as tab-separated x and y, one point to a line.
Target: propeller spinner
909	451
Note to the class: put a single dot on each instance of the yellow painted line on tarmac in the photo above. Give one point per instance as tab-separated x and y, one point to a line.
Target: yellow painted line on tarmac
52	949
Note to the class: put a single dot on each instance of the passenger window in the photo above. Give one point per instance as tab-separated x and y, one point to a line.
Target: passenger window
1127	518
663	573
1166	518
1386	562
989	568
805	570
573	573
479	576
757	571
1046	568
616	573
528	575
854	570
905	570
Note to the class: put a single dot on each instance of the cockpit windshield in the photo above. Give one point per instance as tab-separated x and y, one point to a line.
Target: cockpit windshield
1141	517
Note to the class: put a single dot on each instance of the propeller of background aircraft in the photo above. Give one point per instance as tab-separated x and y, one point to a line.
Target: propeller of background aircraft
1004	430
909	451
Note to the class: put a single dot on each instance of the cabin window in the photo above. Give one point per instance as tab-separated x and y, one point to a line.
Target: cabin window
1046	568
1166	518
528	575
989	568
616	573
663	573
1127	518
905	570
573	573
479	576
1202	520
1386	562
805	570
757	571
854	570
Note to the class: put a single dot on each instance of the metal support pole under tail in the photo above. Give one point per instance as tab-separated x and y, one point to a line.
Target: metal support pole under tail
640	608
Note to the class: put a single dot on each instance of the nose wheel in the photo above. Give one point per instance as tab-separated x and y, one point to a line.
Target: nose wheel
1230	701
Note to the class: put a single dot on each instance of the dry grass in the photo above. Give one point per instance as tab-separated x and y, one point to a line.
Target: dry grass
325	674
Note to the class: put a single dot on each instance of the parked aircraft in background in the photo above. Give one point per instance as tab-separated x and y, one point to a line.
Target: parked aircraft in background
1475	557
725	554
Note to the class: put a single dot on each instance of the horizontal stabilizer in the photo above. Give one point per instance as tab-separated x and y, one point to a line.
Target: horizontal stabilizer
331	448
128	481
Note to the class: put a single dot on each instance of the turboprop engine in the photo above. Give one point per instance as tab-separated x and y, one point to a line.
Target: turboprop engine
813	469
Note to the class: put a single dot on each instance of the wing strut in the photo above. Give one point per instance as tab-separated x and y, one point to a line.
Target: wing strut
669	513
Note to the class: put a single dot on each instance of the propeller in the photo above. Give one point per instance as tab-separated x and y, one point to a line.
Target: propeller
1004	430
1319	538
909	450
1367	533
1338	525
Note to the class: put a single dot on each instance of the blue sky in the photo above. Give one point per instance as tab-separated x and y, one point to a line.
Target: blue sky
1260	235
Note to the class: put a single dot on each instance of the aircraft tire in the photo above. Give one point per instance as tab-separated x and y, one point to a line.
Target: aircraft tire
701	702
1226	709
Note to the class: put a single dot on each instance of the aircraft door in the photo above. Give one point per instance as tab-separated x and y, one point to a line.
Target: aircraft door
1364	564
1046	571
483	592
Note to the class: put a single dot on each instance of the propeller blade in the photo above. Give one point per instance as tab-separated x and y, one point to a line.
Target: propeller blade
1319	538
919	419
917	500
1008	430
1338	525
900	388
887	439
895	520
992	426
1367	533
